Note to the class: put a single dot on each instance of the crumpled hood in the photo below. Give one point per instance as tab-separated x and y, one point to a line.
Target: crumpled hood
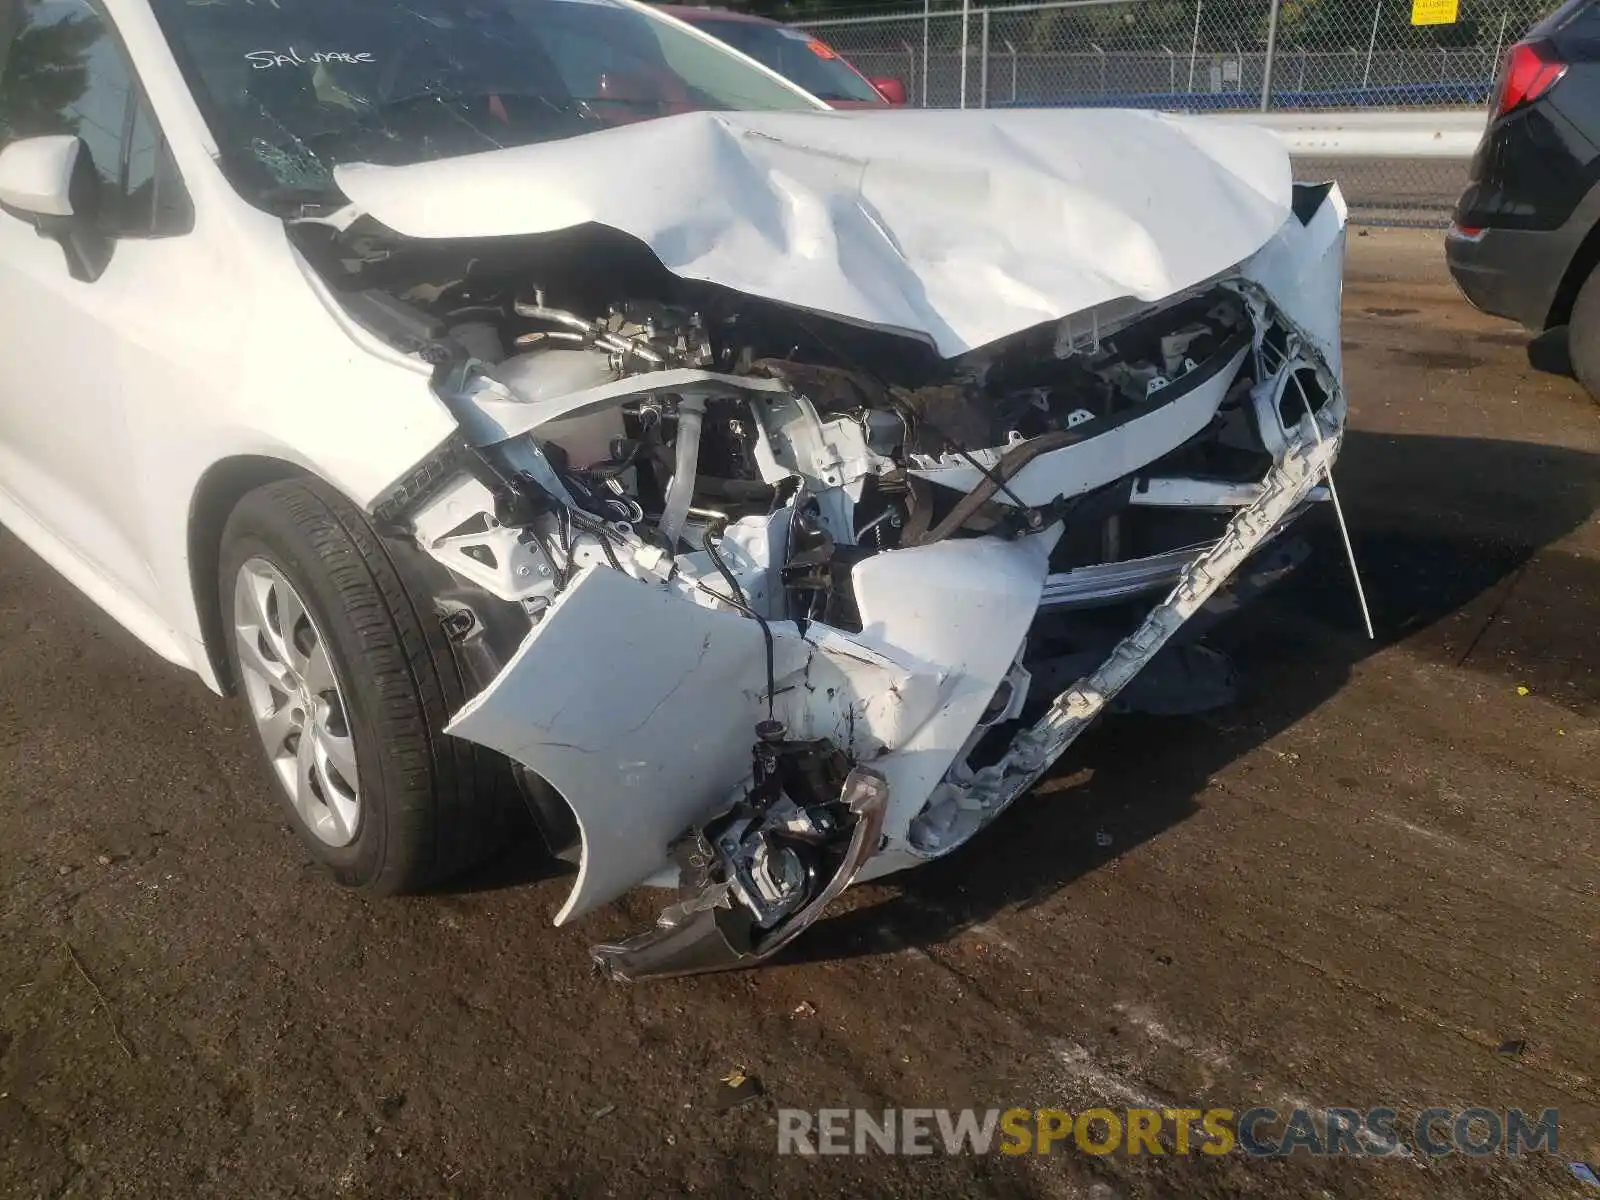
961	227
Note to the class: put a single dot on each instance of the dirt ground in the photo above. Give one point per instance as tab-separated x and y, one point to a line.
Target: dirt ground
1363	885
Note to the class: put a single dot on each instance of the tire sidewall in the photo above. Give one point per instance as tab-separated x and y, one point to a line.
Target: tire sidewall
1583	335
252	532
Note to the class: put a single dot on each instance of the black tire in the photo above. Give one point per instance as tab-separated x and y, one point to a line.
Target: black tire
430	805
1583	335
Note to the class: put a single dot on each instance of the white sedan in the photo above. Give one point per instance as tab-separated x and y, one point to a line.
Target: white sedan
536	404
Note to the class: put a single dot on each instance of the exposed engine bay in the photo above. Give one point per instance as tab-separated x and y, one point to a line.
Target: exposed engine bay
774	602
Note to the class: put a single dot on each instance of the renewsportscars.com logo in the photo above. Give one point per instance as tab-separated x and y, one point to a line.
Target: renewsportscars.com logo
1258	1132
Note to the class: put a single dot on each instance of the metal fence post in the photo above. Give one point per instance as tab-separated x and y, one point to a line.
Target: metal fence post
1372	42
911	64
1013	51
927	9
1272	50
966	43
1172	69
1500	40
983	64
1194	44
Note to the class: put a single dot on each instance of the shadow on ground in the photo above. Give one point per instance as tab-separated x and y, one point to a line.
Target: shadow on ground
1550	353
524	860
1437	523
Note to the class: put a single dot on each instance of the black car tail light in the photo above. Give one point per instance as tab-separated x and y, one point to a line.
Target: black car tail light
1531	69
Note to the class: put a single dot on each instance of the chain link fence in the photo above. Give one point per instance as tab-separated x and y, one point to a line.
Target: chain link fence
1205	56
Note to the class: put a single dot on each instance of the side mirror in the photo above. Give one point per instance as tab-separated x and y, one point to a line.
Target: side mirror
51	183
36	176
890	88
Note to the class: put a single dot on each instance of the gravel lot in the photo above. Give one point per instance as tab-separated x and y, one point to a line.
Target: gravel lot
1354	888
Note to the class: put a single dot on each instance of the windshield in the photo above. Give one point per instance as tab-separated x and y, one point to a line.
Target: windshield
293	87
795	55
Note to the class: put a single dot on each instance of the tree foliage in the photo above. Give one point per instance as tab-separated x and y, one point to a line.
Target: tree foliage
45	72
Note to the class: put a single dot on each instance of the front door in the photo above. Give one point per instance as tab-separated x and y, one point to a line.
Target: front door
71	348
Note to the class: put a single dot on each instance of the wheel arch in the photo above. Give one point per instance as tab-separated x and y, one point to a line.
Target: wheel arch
216	495
1583	262
220	489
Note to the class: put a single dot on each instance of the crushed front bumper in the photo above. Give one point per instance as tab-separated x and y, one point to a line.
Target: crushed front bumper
686	939
636	705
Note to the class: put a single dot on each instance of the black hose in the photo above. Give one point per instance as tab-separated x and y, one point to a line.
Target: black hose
564	532
559	571
610	470
598	529
772	679
708	542
766	636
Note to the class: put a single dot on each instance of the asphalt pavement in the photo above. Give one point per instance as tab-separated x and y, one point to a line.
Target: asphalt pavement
1371	882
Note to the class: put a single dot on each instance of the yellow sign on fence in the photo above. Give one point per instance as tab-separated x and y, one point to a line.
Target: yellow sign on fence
1435	12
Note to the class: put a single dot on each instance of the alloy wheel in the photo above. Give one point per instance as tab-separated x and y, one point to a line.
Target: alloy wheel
293	693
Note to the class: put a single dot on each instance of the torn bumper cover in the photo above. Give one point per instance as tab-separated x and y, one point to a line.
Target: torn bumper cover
792	581
707	932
